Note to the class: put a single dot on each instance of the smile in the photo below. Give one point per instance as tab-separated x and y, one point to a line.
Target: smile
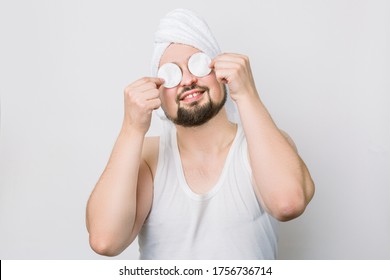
191	95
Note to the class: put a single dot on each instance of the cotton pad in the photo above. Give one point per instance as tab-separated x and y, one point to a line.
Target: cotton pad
198	64
171	74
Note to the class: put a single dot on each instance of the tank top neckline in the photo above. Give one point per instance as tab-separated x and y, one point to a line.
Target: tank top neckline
180	172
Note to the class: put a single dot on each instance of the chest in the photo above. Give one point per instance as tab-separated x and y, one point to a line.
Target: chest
202	173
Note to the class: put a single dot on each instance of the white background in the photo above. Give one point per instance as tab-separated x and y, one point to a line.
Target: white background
322	68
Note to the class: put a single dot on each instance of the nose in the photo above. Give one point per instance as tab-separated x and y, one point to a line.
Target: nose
188	78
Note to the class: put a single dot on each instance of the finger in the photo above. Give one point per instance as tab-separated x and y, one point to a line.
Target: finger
237	58
151	94
145	80
146	87
152	104
155	103
145	91
158	81
223	64
223	75
232	56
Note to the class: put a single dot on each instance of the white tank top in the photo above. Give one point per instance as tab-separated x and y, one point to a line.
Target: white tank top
225	223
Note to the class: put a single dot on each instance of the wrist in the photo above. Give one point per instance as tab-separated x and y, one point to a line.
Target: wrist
249	99
131	130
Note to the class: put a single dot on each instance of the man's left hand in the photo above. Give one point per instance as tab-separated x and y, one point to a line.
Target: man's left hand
235	71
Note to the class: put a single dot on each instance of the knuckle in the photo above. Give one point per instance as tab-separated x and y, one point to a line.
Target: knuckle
145	79
156	92
142	105
156	104
127	89
129	94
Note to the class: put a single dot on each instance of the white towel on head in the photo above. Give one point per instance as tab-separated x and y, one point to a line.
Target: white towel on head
185	27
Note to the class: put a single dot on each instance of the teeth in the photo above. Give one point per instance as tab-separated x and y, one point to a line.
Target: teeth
192	95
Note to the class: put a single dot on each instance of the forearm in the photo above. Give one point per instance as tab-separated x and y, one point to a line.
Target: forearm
111	208
281	177
282	181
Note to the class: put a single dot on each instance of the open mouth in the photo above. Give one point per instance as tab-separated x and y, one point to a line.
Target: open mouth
191	95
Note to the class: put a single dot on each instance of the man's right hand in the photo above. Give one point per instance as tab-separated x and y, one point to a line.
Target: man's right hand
141	98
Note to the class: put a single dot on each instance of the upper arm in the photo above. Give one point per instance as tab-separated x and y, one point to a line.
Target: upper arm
308	181
273	200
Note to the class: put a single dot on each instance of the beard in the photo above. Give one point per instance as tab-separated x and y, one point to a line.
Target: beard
197	114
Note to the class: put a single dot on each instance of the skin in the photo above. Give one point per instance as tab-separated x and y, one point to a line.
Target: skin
122	198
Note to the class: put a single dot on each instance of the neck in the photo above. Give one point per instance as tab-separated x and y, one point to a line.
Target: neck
212	136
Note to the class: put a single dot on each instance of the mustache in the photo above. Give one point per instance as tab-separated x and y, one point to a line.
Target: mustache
192	87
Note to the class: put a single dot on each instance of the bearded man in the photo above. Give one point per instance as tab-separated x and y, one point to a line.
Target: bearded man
221	174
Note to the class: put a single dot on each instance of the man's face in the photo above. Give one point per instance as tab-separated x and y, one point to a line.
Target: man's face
195	100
